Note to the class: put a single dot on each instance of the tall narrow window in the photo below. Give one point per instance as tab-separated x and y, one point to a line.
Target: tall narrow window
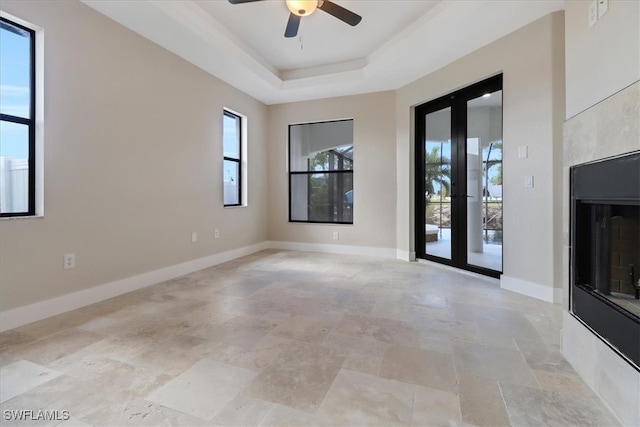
17	120
321	172
232	168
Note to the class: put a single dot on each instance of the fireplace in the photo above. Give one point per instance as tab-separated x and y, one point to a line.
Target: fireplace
605	257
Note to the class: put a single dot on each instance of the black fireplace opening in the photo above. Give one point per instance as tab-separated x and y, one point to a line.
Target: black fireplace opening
605	251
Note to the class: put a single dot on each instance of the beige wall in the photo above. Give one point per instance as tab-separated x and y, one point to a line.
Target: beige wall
133	145
603	59
533	100
374	170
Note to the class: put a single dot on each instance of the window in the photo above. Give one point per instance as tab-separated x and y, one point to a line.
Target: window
17	119
232	152
321	172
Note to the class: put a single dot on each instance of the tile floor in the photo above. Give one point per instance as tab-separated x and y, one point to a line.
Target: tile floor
290	338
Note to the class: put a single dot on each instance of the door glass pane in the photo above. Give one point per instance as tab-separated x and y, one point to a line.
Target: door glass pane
484	181
14	167
437	179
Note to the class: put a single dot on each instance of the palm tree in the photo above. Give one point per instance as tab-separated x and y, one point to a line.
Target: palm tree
437	171
497	178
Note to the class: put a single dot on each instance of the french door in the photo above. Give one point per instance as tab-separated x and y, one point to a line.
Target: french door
458	184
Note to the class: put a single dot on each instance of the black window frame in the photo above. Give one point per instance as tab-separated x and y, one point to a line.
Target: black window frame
337	173
237	160
29	122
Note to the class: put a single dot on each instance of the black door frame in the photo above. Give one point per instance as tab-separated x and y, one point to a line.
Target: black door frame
458	102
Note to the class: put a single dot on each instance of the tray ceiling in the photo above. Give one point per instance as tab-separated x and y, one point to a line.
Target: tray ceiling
397	41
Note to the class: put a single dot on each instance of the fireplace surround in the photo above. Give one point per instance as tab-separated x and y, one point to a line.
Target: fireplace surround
605	256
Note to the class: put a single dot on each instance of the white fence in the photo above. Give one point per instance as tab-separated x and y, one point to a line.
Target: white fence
14	185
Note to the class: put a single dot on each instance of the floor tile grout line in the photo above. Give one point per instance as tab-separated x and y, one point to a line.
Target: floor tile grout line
504	402
267	413
413	403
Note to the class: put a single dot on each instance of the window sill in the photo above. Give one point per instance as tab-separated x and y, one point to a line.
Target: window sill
236	207
18	218
332	224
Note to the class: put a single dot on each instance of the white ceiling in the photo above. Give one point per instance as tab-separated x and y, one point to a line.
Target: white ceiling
397	41
322	39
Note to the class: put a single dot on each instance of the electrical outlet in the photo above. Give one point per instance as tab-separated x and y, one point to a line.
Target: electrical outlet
336	235
216	234
69	261
194	237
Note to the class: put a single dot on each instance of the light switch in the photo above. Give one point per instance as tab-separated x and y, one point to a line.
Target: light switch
523	152
603	6
593	13
528	181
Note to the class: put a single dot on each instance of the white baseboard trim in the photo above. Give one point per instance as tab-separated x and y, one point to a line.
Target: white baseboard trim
24	315
558	296
531	289
334	249
405	255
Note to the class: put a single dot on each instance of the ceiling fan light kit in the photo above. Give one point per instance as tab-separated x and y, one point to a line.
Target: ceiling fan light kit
300	8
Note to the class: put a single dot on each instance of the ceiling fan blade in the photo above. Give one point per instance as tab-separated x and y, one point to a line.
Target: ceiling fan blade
242	1
340	12
292	26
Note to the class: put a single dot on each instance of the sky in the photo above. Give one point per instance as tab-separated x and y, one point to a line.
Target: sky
14	92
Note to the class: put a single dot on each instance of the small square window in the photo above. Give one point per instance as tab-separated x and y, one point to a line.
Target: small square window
321	172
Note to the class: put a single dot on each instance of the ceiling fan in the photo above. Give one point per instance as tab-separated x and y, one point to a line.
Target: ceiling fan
300	8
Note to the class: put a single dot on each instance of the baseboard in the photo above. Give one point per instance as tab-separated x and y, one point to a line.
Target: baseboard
558	296
334	249
405	255
24	315
531	289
